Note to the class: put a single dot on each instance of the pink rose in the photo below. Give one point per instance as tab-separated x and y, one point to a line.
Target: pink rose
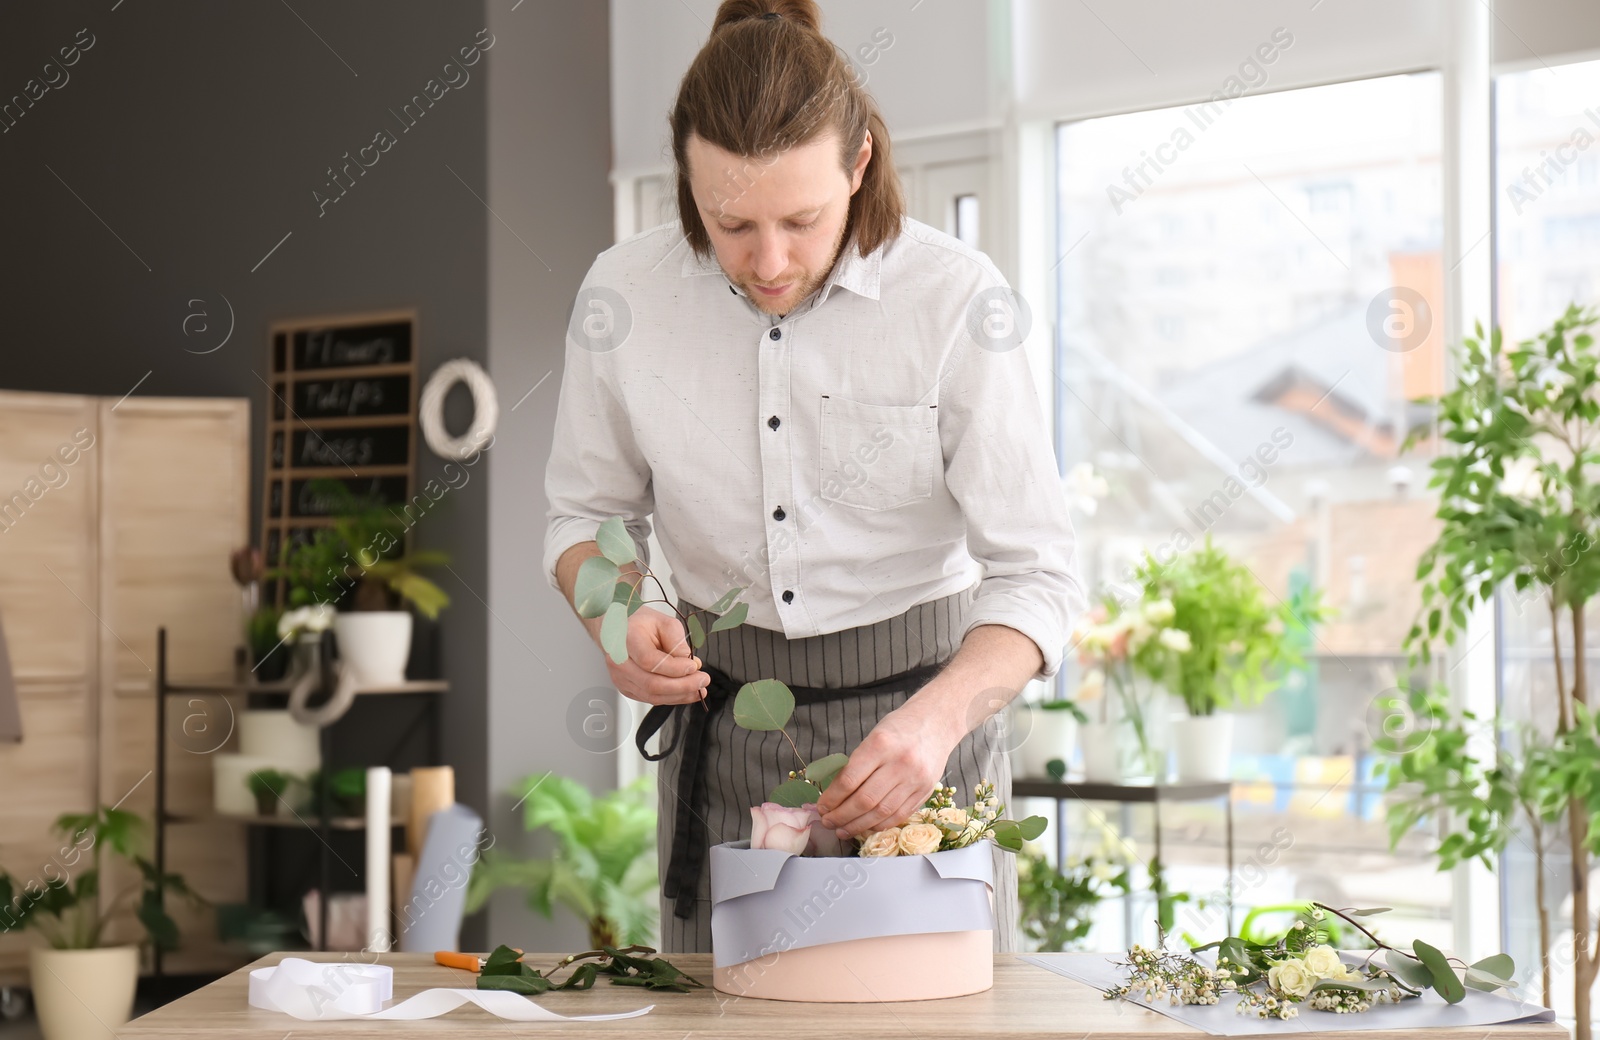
780	827
824	842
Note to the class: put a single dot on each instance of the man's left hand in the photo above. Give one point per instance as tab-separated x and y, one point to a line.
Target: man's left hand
889	776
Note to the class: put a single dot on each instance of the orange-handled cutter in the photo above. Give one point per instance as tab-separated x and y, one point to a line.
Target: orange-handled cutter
465	961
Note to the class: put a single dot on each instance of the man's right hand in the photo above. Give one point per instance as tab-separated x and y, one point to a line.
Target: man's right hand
660	668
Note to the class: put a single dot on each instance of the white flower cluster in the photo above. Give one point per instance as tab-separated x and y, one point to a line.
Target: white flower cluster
1180	979
313	620
939	825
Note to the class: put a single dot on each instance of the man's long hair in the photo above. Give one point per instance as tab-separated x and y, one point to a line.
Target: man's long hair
766	81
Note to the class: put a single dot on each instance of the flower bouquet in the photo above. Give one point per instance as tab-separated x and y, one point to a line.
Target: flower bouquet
1300	970
902	913
1124	646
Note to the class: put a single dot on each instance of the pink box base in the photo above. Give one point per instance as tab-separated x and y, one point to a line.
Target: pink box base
884	968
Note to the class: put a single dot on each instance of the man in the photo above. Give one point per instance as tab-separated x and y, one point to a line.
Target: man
821	400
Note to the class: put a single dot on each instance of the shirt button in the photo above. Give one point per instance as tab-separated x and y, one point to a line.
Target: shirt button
778	513
788	595
776	333
774	422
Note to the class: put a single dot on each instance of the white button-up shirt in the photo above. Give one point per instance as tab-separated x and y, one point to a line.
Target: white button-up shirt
879	447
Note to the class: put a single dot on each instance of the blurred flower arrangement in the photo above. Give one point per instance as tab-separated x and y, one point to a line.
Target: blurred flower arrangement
1131	647
1234	643
1275	979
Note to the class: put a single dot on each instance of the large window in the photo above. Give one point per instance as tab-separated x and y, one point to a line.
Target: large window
1547	205
1260	280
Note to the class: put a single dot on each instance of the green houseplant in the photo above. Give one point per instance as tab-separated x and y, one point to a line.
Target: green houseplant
83	981
1519	512
1056	908
604	865
1237	648
359	564
268	786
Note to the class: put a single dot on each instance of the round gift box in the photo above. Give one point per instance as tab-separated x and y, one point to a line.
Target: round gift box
850	929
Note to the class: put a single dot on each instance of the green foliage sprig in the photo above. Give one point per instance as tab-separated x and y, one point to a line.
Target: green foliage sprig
504	970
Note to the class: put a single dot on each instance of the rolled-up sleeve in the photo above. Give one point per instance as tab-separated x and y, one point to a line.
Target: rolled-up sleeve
1001	467
596	470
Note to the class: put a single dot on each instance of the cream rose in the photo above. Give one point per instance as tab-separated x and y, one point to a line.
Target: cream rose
919	838
1324	962
952	819
1291	977
882	843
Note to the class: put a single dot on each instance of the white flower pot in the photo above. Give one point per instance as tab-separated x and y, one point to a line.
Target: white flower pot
1101	744
83	994
374	645
1203	747
1050	735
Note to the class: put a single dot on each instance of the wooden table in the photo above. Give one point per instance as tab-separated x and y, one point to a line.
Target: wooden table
1026	1001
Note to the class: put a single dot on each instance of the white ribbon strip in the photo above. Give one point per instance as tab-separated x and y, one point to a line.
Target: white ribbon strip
321	992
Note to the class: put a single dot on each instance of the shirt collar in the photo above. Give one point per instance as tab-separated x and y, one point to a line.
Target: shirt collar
860	274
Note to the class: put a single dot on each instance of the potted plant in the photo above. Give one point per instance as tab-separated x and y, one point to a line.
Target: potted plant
1229	648
268	786
604	865
1049	739
269	653
1123	644
346	792
1055	908
1519	511
83	984
359	564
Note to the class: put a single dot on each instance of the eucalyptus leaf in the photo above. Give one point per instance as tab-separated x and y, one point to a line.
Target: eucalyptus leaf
1445	981
765	704
726	600
697	632
795	793
823	771
1486	981
615	543
596	586
614	633
1370	911
1361	983
1408	970
629	594
732	619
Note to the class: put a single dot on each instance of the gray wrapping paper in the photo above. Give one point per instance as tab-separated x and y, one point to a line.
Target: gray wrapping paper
765	901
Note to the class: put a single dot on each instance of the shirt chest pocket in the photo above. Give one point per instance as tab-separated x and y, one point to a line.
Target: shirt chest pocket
877	456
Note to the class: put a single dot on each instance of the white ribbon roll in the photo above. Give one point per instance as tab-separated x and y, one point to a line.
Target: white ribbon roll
321	992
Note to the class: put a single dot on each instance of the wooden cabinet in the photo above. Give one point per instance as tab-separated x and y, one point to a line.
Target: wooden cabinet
117	517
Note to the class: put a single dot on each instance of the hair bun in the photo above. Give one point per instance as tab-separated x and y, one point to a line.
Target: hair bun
804	13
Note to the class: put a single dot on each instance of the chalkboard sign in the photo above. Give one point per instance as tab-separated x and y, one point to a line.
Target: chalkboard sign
343	407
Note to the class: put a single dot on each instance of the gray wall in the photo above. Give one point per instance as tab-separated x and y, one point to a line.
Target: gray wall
549	159
196	133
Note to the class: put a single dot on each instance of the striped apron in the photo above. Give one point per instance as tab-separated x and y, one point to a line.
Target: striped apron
844	682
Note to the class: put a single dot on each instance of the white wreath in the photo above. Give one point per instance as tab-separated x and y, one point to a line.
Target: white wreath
485	409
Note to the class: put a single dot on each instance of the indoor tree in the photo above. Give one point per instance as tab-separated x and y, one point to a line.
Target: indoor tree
1519	511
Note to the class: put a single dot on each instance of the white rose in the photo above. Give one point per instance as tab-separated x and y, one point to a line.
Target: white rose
1159	612
1324	962
1176	640
1291	977
951	819
916	839
882	843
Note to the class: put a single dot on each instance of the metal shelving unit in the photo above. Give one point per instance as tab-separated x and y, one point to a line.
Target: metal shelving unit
276	695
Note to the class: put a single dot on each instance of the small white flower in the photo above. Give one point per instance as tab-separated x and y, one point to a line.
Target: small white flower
1176	640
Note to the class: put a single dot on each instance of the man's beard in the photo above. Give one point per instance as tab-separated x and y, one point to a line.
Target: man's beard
810	284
